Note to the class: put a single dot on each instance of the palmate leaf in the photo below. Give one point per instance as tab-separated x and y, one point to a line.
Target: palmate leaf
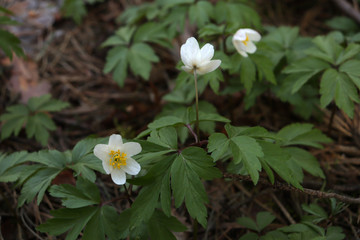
140	58
74	9
337	85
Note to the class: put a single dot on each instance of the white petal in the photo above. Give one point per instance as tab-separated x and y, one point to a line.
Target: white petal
118	176
209	67
240	47
188	69
132	167
107	167
250	47
240	35
115	141
189	51
207	52
101	151
253	35
131	148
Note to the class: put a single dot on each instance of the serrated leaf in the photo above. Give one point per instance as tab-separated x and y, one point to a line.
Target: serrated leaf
306	65
152	32
74	9
12	126
200	13
338	86
9	43
7	163
247	73
161	226
302	134
116	61
278	159
350	51
218	145
351	68
37	185
84	194
305	160
140	58
265	66
65	219
185	171
246	150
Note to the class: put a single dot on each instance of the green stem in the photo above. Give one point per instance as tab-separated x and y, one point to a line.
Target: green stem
197	107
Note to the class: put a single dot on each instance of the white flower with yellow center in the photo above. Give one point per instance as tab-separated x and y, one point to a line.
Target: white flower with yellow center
198	59
243	41
116	158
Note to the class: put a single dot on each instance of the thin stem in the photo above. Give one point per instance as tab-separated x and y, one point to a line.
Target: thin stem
197	107
192	132
195	229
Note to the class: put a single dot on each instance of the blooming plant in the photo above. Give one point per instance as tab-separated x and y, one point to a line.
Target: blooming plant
173	162
243	41
116	158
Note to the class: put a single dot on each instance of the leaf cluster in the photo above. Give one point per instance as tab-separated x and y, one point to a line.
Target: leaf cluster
34	116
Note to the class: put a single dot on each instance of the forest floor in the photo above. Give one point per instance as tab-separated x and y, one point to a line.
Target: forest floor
65	59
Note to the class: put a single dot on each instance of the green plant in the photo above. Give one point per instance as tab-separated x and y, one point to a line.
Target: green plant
34	116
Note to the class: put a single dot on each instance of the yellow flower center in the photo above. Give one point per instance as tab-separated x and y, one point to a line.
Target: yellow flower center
245	42
117	159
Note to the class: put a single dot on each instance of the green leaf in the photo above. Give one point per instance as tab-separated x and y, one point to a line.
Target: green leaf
302	134
10	162
65	219
248	223
200	13
152	32
278	159
140	58
84	194
334	233
350	51
263	219
338	86
12	126
246	150
86	165
249	236
315	210
9	43
74	9
305	160
38	126
116	61
264	66
161	227
351	68
165	122
218	145
37	184
188	166
305	65
247	73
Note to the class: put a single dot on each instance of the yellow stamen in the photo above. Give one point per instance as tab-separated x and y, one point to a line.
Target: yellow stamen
117	159
245	42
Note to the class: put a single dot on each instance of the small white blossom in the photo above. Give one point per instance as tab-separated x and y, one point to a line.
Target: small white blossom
116	158
198	59
243	41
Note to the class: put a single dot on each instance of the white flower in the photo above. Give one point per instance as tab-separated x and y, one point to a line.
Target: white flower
116	158
198	59
243	41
